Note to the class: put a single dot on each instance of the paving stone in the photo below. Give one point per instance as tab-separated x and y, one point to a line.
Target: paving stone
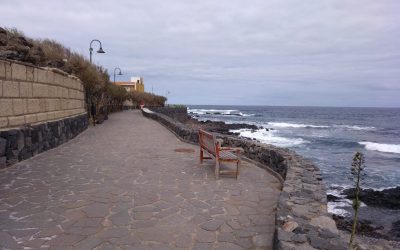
106	246
142	215
66	240
88	222
126	240
96	210
203	246
211	225
120	219
34	243
244	242
157	234
204	236
183	241
88	243
113	233
7	242
228	246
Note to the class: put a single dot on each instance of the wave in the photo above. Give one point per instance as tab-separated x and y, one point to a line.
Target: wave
355	127
294	125
232	112
339	208
268	137
381	147
301	125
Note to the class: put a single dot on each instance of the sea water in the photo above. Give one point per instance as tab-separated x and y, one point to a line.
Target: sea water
326	135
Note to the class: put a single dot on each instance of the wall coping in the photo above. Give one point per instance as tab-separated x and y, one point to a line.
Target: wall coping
54	70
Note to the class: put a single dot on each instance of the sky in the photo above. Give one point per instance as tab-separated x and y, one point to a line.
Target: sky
231	52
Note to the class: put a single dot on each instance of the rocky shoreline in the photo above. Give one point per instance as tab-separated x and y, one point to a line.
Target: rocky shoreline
386	201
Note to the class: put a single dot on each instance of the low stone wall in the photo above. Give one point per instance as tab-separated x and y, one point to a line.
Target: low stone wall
179	129
302	220
179	114
24	142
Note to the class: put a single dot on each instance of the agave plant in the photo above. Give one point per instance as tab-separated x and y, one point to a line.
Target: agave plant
357	167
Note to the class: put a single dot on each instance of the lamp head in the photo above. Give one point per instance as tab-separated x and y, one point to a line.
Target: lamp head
101	50
120	73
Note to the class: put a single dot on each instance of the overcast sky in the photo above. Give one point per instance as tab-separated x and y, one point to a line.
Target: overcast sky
259	52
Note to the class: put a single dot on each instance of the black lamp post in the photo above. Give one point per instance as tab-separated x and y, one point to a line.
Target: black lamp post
120	73
101	51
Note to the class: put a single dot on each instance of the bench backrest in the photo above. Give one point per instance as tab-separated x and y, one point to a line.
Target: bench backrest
207	141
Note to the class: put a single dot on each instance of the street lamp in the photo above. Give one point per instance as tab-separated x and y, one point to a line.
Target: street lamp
101	51
120	73
166	96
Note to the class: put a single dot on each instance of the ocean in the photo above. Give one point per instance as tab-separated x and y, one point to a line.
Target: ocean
329	136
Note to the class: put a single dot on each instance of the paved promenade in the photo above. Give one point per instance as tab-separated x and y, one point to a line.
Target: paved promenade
122	185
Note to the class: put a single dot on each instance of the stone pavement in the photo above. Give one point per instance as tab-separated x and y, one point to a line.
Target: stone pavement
123	185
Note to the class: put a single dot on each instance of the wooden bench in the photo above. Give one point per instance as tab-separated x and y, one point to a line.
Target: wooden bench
212	146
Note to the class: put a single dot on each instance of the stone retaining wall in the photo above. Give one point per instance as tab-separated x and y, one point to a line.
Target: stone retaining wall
21	143
39	109
302	220
31	94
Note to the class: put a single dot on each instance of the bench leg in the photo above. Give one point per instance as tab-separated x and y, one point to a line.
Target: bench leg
216	169
237	169
201	156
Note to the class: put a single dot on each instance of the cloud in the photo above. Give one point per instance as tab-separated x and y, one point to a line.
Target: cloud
234	52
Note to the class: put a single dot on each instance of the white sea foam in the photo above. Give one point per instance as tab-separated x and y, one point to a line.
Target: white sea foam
381	147
355	127
269	137
338	208
294	125
233	112
302	125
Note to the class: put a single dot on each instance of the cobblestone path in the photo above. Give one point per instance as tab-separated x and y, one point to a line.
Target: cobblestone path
122	185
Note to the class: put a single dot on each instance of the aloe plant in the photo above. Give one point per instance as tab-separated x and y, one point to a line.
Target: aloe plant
357	167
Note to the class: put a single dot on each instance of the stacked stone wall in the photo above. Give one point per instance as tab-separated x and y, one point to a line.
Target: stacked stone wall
179	114
302	220
40	109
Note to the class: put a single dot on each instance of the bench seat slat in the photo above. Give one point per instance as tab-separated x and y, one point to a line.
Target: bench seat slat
226	155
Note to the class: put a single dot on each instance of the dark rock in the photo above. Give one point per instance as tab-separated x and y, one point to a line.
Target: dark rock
299	238
331	197
395	231
387	198
3	146
364	227
319	243
3	162
327	234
